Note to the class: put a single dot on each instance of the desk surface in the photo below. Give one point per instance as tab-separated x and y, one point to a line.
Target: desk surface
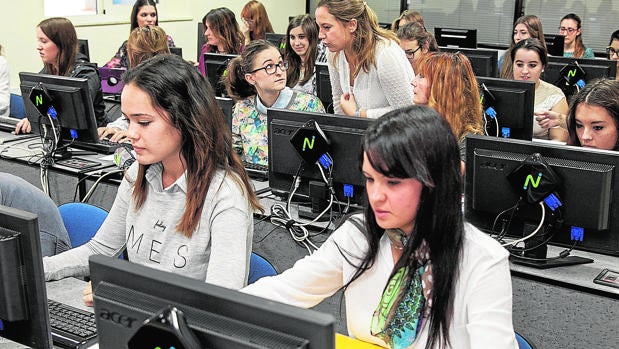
578	277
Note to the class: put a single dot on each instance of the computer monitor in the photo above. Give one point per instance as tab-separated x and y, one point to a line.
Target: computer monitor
483	61
82	47
588	189
23	298
278	40
592	68
227	105
323	86
345	134
201	39
216	65
126	294
176	51
512	102
554	44
70	98
456	37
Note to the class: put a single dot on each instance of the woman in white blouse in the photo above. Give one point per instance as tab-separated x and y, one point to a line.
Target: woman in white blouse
369	71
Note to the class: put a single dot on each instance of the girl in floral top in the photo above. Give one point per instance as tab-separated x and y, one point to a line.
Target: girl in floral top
257	81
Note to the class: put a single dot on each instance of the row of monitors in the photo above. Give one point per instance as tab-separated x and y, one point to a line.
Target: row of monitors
127	294
467	38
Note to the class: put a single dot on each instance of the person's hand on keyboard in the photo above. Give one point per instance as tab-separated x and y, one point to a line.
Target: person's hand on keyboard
23	126
113	134
87	294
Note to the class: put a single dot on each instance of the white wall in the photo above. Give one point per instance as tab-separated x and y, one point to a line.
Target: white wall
105	32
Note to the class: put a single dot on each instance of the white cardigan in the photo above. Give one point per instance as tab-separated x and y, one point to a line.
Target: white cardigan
483	295
385	87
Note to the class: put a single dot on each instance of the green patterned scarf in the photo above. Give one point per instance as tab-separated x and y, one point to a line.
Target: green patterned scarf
405	303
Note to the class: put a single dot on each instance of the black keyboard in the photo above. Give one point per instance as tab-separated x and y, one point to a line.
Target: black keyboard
103	146
71	327
256	171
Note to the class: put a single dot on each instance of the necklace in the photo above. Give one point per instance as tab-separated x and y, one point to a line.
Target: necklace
398	238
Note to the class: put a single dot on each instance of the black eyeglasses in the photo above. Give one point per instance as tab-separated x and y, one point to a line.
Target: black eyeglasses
569	30
270	69
610	51
411	53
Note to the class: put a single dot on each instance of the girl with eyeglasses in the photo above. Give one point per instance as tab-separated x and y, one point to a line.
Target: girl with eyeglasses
257	81
571	28
416	42
256	22
613	50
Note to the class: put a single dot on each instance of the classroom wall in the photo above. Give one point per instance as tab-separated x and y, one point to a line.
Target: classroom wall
106	32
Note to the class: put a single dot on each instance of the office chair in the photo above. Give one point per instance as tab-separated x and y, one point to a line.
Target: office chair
81	221
523	343
259	267
17	107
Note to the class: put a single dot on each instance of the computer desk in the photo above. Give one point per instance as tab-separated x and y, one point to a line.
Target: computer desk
556	308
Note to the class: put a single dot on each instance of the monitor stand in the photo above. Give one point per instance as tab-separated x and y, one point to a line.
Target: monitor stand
551	263
535	253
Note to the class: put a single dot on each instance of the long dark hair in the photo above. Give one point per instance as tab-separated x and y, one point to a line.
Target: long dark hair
533	45
602	93
224	25
62	33
415	142
136	8
236	85
178	89
310	29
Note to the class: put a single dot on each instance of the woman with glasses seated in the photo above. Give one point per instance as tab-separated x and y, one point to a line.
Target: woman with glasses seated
571	28
613	50
416	42
257	80
255	21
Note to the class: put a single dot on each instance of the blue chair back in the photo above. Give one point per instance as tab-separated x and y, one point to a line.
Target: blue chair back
523	343
17	107
81	220
259	267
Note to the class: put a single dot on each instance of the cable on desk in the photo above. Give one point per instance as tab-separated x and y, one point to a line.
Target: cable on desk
96	183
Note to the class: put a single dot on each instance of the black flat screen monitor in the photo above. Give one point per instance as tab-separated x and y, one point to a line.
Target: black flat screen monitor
227	106
555	44
71	100
219	317
216	65
23	298
345	134
201	40
513	101
588	188
323	86
82	47
593	69
278	40
176	51
483	61
456	37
